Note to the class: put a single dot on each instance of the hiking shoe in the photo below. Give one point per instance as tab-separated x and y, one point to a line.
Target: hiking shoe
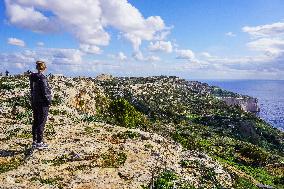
34	144
41	145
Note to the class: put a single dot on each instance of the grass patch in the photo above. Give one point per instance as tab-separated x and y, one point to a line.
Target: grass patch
189	164
18	133
50	131
112	159
165	180
127	135
58	112
91	130
56	100
12	164
93	118
59	160
50	181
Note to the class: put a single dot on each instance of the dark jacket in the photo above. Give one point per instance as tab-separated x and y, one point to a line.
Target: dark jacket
39	90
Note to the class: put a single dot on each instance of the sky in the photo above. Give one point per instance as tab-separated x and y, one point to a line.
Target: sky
192	39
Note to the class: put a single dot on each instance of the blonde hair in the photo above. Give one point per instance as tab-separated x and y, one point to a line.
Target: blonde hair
40	65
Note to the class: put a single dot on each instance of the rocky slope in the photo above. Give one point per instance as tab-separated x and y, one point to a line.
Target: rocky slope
155	132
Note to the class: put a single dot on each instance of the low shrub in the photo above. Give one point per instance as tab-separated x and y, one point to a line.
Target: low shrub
165	180
112	159
124	114
126	135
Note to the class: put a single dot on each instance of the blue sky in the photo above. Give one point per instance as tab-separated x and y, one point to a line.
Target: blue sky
206	39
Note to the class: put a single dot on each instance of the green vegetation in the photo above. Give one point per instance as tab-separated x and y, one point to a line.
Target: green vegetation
124	114
165	180
242	183
112	159
56	100
109	159
58	160
217	91
50	181
25	117
188	112
94	118
201	122
49	131
127	135
23	101
57	112
189	164
91	130
17	133
11	83
11	164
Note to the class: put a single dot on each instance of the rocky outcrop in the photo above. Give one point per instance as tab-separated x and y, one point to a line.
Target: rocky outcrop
89	154
246	104
104	77
91	151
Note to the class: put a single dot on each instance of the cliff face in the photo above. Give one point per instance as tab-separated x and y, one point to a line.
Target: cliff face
133	132
246	104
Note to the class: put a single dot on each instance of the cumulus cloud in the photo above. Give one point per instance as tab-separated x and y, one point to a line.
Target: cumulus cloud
206	54
50	55
87	20
153	58
138	56
267	39
40	43
90	49
230	34
16	42
66	56
121	56
165	46
274	29
271	46
185	54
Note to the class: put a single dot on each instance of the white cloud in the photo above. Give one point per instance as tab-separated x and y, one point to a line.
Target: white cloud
121	56
28	17
66	56
153	59
230	34
206	54
90	49
185	54
270	46
40	44
275	29
165	46
87	20
138	56
16	42
50	55
267	39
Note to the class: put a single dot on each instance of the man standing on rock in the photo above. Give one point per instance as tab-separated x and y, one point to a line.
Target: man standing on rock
40	102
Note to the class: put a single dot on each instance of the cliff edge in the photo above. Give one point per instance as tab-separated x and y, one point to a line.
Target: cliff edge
135	132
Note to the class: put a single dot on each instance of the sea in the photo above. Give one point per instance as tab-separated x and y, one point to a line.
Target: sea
270	95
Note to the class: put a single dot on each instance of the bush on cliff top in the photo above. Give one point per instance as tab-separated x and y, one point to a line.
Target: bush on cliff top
124	114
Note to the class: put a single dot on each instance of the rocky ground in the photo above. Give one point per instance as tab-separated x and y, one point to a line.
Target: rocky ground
86	154
90	150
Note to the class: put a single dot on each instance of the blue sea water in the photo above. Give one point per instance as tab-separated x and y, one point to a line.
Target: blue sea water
270	95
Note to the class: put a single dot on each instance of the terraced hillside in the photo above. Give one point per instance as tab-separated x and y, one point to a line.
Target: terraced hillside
153	132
